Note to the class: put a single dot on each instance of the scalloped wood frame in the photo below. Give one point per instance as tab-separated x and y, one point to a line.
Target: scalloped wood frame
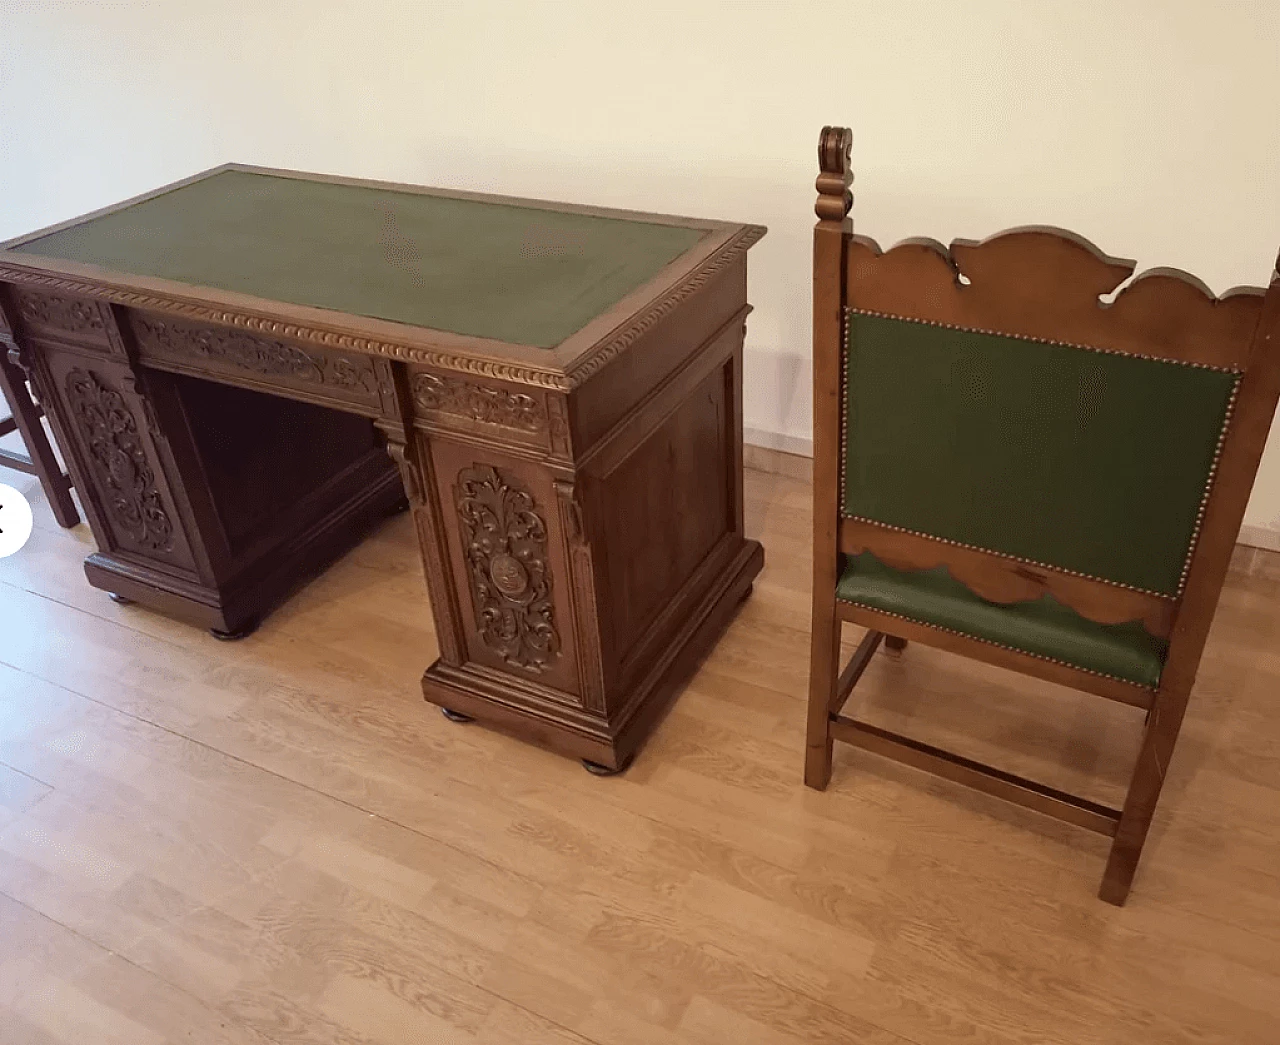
1046	284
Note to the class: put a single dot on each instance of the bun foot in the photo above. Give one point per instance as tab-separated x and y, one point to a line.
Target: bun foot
118	599
455	716
596	769
234	636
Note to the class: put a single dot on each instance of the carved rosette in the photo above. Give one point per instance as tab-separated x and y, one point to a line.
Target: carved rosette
505	542
256	354
59	313
116	452
495	406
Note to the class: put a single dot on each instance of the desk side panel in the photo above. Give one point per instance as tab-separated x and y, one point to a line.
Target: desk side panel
683	324
662	493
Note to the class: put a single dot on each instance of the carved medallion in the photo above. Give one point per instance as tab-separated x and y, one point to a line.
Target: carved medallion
116	452
505	542
59	313
256	354
495	406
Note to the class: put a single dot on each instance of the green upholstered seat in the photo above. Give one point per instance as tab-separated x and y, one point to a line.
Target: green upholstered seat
1043	627
1093	462
527	275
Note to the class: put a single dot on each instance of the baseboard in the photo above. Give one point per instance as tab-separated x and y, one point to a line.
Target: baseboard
1260	537
774	458
777	462
1256	562
787	444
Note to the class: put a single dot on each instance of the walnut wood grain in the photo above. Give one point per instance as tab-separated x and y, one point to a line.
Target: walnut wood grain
1046	283
586	609
999	578
1224	513
977	775
835	145
76	318
320	375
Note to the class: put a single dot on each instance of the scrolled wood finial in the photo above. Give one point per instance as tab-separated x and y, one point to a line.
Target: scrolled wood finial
835	146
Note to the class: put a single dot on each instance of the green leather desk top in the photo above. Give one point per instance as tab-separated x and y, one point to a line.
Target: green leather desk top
515	273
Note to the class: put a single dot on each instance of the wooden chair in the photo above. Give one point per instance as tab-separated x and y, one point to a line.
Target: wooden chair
1009	468
40	461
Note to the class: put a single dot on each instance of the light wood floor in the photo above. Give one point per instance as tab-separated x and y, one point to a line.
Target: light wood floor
277	841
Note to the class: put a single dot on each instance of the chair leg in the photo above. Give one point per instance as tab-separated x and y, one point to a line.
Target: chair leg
54	482
894	645
1164	721
824	664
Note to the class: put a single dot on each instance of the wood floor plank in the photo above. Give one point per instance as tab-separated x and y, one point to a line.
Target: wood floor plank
277	841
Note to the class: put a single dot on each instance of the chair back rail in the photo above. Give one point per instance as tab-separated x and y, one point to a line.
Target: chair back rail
1049	283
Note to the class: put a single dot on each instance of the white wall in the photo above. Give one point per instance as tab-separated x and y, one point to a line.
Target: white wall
1148	126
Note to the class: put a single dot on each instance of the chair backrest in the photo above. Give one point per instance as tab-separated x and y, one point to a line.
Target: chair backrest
1067	456
993	412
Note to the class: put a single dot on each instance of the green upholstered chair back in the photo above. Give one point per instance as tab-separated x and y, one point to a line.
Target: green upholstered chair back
1084	459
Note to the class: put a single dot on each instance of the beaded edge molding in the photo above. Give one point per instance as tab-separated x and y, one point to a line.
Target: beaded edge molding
594	361
1209	483
518	373
850	310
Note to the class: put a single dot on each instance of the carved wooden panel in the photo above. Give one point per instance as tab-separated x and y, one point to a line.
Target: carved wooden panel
463	398
320	375
504	539
591	669
513	414
81	319
125	476
561	437
417	473
6	325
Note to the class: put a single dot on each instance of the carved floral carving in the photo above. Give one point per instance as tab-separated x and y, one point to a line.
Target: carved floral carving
59	313
258	355
558	423
115	449
505	543
497	406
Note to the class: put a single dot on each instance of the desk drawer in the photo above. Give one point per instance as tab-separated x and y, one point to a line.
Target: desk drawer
325	376
64	317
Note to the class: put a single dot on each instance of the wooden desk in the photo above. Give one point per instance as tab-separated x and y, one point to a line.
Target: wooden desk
225	361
